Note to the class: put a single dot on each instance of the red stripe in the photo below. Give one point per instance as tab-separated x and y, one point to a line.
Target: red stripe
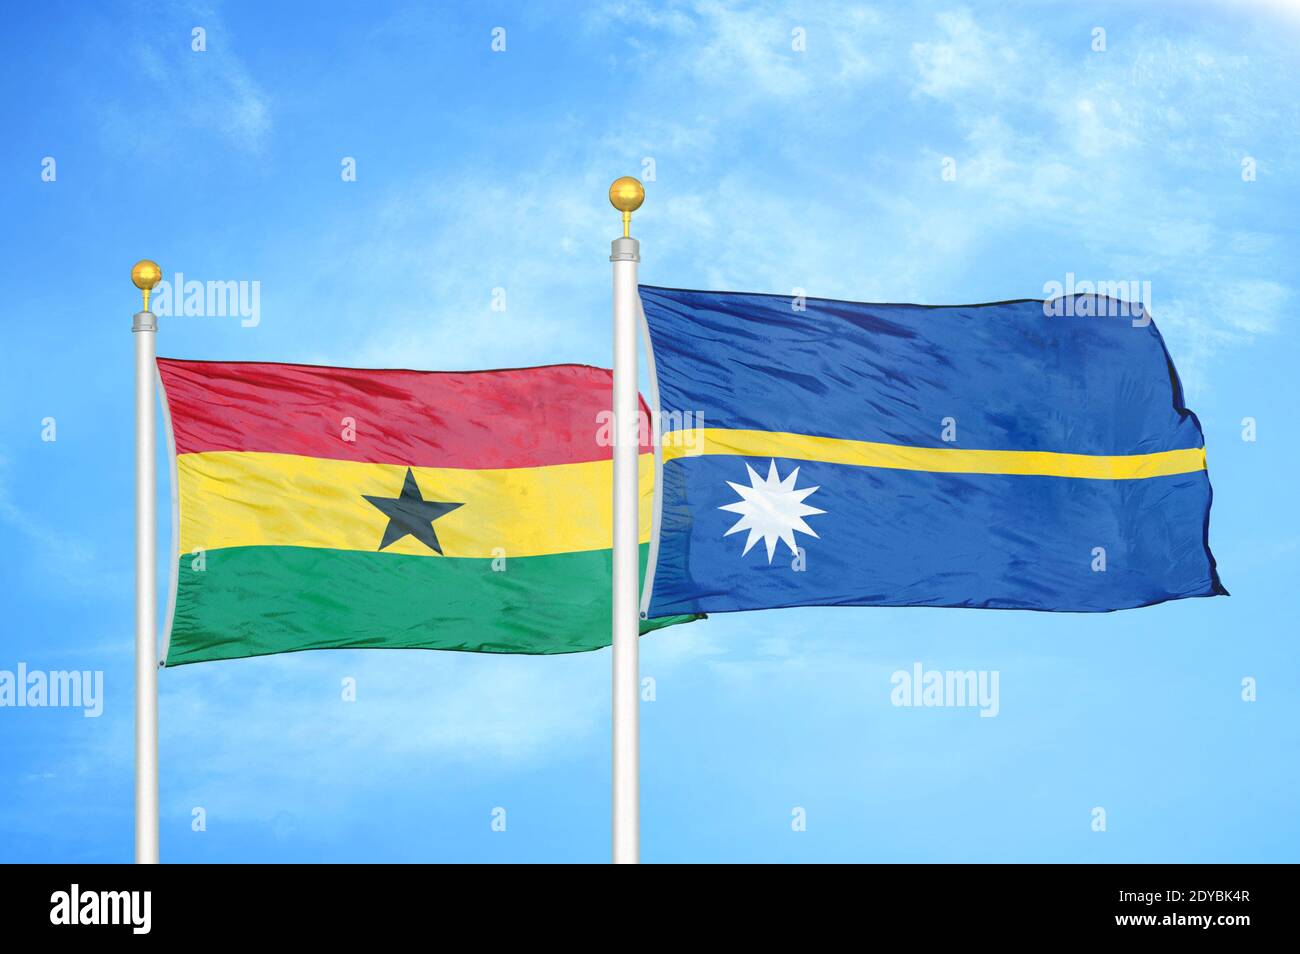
526	417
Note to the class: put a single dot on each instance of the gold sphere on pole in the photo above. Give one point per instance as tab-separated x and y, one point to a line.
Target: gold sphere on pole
626	194
145	274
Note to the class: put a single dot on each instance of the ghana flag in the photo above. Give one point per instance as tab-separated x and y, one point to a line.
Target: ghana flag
332	508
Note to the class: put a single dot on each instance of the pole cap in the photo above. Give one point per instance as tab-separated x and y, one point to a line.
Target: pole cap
146	274
626	194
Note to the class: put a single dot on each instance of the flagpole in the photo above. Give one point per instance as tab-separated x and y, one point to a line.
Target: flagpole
145	275
626	195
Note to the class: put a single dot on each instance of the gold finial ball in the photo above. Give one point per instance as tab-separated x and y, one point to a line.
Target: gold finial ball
626	194
146	274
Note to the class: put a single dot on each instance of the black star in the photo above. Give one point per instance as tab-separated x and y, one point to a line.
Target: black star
411	513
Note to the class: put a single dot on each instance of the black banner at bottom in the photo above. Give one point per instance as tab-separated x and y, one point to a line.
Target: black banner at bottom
335	903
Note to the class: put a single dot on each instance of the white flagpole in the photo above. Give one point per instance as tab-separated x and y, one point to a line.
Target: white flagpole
145	275
626	195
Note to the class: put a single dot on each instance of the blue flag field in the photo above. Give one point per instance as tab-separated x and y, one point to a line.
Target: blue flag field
1013	455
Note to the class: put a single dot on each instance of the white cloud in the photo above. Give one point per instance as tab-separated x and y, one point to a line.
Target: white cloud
749	51
249	726
1096	151
1253	306
1111	143
52	552
966	57
211	92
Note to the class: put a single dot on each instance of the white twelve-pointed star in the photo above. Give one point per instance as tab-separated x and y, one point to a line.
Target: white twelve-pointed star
771	509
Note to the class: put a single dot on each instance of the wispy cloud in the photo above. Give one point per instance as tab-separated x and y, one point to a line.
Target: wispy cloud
1114	141
52	553
1071	136
755	51
210	92
245	726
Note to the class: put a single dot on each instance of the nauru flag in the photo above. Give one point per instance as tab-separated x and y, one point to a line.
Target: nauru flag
1015	455
333	508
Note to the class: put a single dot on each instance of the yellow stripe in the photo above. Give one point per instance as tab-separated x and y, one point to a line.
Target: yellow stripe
946	460
244	498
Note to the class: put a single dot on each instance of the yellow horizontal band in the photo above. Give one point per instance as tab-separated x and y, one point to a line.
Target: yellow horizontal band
944	460
247	499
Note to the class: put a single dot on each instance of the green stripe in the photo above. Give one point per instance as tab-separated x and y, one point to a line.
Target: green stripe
253	601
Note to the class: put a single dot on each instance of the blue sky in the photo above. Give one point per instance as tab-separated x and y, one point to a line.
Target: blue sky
774	169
